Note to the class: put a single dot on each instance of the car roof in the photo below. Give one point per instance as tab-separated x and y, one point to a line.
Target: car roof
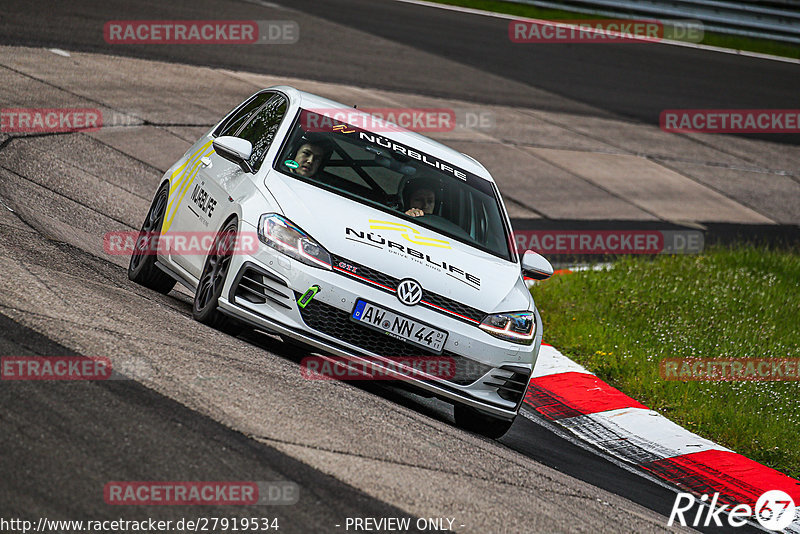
318	103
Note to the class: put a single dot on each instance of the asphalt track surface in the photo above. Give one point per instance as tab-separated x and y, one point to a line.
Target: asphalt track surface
418	49
64	441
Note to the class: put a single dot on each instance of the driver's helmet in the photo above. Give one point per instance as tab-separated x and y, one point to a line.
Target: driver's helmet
410	184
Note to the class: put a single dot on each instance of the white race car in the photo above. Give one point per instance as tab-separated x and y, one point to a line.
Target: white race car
375	245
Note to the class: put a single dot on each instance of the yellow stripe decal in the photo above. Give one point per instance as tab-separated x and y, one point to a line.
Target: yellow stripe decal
191	158
429	241
182	192
194	159
416	239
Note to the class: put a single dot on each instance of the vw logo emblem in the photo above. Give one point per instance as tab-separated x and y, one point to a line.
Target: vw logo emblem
409	292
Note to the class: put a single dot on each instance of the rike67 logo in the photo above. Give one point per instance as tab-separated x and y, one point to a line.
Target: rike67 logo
774	510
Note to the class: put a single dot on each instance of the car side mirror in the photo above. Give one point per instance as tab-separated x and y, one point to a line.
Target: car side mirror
235	150
535	266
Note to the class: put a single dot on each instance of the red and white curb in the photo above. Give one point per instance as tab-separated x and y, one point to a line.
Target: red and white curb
567	395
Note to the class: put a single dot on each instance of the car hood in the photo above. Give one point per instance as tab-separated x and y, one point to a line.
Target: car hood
397	247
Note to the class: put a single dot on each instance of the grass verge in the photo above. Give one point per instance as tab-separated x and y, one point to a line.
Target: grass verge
735	42
739	302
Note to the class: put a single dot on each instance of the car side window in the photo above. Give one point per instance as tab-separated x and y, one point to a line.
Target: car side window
262	127
241	115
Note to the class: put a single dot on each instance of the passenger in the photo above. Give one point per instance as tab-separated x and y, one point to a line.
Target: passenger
419	198
421	202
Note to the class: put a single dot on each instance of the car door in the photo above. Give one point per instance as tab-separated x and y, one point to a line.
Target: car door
216	178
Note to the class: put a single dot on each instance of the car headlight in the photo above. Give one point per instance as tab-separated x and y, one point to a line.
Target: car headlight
283	235
516	327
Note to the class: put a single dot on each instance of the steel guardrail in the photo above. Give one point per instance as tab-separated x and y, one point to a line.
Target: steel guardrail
748	19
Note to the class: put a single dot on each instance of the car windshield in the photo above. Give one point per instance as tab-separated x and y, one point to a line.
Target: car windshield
374	170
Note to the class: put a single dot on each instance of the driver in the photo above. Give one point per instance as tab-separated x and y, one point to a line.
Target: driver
309	157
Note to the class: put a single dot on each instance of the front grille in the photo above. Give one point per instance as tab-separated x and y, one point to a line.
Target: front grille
512	383
389	284
258	286
364	272
337	323
475	316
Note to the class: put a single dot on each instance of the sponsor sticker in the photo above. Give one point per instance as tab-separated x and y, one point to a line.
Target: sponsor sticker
376	240
409	233
308	296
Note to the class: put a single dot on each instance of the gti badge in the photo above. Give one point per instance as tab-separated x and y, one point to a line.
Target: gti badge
409	292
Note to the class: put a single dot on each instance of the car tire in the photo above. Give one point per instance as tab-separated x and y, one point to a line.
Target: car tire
472	420
212	280
142	266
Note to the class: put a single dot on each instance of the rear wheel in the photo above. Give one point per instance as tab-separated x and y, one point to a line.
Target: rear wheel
474	421
209	289
142	267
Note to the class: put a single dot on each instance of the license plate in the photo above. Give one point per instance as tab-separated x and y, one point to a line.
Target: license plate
399	326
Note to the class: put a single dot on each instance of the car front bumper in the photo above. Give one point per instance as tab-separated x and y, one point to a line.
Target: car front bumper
262	290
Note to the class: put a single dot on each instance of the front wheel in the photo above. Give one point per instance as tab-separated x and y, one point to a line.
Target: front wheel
472	420
209	289
142	267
